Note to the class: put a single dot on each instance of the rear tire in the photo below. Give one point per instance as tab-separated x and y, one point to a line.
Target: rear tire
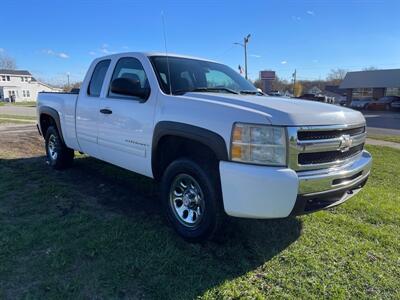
191	200
59	156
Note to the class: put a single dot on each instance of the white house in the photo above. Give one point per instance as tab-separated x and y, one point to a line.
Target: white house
19	85
314	90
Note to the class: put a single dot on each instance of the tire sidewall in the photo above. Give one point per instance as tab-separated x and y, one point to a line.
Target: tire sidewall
208	222
52	131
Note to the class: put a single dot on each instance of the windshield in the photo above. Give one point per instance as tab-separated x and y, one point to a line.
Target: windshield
192	75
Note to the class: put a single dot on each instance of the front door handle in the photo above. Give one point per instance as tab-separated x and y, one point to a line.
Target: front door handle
106	111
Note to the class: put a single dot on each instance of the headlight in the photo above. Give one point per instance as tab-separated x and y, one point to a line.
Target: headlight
259	144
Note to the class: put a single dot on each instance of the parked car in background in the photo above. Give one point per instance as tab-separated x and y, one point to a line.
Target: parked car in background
361	103
274	94
395	105
312	97
383	103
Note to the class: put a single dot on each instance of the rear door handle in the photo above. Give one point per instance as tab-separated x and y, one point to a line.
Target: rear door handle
106	111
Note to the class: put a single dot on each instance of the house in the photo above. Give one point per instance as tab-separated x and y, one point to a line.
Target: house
20	85
314	90
371	84
337	94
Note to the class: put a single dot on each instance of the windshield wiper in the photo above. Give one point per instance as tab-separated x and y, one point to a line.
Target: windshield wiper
206	89
250	92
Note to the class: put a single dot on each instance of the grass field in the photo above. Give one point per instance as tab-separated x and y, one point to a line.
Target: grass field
16	119
25	103
96	231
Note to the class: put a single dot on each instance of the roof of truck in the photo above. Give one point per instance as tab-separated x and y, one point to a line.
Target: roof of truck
151	53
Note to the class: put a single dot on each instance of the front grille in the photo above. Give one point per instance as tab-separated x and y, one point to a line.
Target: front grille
328	134
328	156
320	147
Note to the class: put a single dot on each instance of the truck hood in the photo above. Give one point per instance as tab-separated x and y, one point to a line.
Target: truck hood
286	111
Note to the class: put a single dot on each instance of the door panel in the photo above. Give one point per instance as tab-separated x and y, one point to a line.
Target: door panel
125	134
87	110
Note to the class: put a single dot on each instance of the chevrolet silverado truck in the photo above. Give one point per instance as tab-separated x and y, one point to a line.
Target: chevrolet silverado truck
217	145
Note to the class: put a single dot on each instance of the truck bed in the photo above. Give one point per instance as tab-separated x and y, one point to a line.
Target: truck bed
64	104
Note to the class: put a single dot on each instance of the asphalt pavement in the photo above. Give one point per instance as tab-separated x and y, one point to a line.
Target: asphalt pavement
382	122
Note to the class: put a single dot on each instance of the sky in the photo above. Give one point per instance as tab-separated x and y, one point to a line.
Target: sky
52	38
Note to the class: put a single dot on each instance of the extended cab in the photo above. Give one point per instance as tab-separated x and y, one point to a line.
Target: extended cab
217	144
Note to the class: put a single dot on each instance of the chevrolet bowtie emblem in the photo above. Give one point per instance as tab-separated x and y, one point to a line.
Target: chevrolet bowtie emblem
345	143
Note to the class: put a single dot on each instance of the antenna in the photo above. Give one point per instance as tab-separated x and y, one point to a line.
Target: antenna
166	52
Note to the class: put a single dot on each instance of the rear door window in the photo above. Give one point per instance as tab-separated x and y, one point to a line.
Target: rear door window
96	82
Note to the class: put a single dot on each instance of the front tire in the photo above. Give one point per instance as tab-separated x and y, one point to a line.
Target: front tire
59	156
191	200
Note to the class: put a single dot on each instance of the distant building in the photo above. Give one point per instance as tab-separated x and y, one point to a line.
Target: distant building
314	90
371	84
336	93
19	85
267	77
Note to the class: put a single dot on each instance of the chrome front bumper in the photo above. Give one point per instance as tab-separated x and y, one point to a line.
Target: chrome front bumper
334	179
323	189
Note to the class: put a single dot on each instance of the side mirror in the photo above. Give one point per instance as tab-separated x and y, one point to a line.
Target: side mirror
129	87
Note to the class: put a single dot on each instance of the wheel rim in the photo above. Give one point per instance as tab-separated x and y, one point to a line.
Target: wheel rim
52	147
186	200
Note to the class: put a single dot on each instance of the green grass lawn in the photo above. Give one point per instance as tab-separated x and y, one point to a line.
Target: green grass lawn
16	119
388	138
96	231
25	103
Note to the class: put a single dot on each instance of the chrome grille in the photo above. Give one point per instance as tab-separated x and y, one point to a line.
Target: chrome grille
318	147
328	134
329	156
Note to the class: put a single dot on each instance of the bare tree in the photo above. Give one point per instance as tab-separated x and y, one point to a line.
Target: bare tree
335	76
71	86
258	83
7	62
281	85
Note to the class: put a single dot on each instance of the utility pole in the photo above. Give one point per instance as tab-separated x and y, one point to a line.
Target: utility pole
294	82
245	40
244	45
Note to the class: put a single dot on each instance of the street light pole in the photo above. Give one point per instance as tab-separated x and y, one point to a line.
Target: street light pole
245	40
244	45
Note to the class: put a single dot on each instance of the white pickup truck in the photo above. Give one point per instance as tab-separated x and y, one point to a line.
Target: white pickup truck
217	144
